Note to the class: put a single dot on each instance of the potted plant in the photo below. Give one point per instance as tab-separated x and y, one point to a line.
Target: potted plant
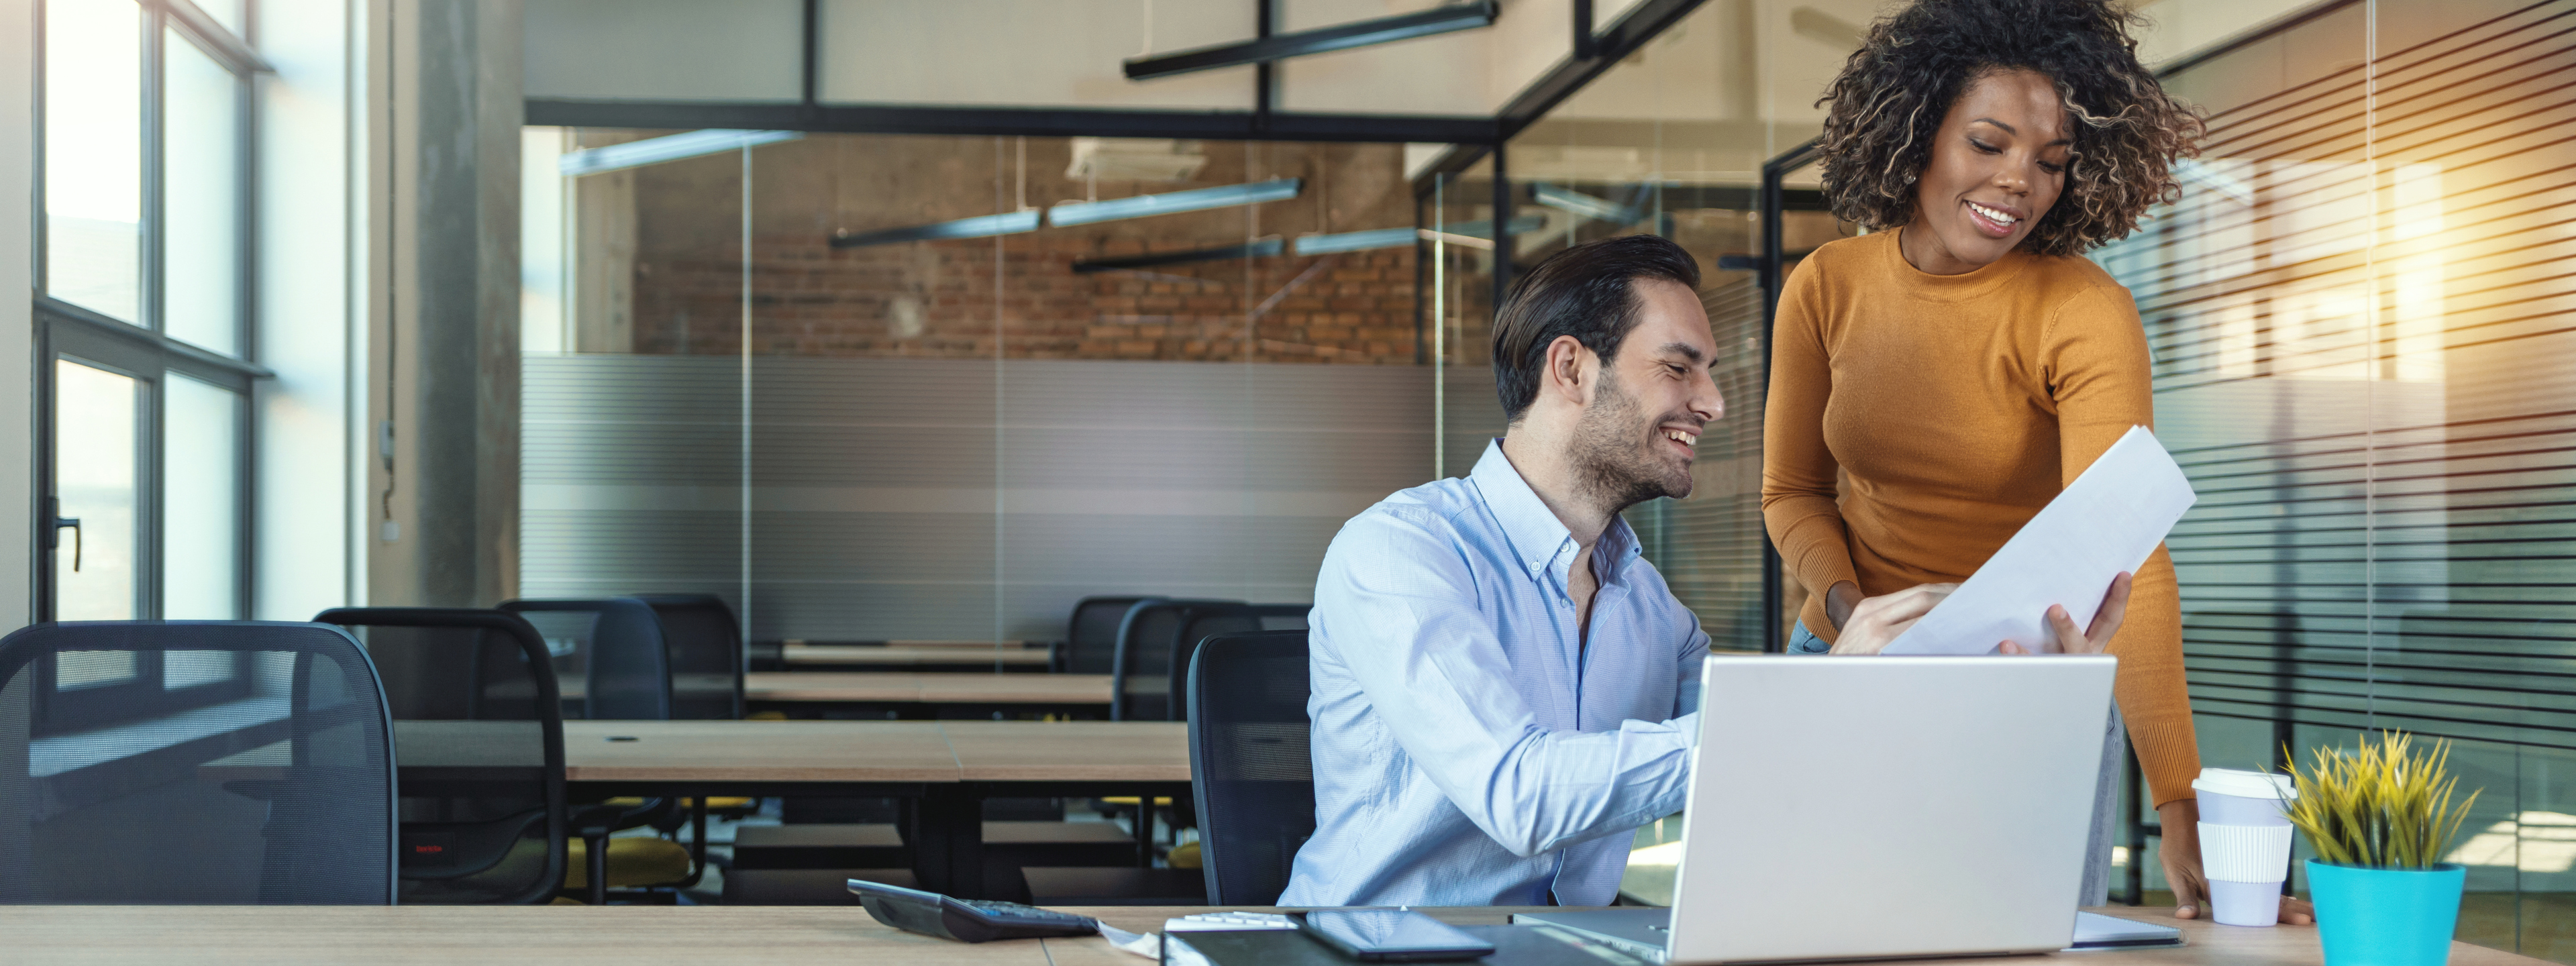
2380	819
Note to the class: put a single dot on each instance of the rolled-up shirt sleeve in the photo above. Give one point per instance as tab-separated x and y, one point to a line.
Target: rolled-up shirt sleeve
1408	626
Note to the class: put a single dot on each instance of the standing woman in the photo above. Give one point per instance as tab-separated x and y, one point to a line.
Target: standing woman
1961	362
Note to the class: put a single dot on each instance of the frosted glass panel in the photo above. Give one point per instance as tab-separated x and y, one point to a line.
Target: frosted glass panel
201	503
94	155
94	476
201	180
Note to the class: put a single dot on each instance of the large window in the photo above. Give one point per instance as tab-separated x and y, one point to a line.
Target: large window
144	262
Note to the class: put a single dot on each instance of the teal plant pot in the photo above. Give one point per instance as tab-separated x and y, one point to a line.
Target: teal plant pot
2386	917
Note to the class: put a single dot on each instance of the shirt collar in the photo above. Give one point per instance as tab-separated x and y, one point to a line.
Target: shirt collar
1536	535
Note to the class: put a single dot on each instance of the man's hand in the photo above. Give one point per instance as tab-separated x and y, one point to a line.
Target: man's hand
2180	854
1876	621
2092	640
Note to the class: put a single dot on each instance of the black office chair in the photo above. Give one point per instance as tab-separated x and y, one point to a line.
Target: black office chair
483	812
707	664
706	655
1140	670
193	762
1211	620
1250	765
1091	636
615	647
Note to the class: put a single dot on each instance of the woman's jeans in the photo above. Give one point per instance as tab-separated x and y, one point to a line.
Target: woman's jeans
2096	884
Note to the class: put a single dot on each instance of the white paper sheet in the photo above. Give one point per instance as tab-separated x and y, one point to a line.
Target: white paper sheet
2109	520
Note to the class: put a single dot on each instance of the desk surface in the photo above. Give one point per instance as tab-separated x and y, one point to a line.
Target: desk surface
912	653
1070	750
782	751
877	751
834	935
906	687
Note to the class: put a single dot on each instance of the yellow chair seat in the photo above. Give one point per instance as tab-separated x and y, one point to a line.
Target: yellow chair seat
1159	800
1185	856
632	863
715	803
765	716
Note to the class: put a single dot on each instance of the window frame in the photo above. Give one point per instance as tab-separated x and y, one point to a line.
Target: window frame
142	349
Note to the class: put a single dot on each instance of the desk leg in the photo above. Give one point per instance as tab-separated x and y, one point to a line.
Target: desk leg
1145	829
948	841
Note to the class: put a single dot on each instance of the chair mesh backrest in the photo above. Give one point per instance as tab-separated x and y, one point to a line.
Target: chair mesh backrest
1140	668
478	728
193	762
613	647
705	654
1199	624
1250	765
1091	637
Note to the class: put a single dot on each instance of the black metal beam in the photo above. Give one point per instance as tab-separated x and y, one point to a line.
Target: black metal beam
1775	175
1027	121
1642	23
811	68
1363	33
1503	242
1583	39
1260	249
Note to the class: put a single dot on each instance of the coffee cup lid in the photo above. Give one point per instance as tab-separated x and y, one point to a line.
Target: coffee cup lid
2245	784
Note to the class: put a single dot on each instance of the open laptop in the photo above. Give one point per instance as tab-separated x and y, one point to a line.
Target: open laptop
1881	807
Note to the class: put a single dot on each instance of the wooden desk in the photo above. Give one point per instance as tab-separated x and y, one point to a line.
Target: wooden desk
784	935
943	769
2209	944
924	693
1070	751
757	752
484	935
906	654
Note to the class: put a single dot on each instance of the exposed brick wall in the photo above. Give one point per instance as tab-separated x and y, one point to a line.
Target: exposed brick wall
937	299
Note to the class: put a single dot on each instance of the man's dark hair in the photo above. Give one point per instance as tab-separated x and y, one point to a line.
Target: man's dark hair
1587	292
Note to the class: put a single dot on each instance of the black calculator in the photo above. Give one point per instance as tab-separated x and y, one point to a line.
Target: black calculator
965	920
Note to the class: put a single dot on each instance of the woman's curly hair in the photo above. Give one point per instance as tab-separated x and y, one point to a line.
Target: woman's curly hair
1889	101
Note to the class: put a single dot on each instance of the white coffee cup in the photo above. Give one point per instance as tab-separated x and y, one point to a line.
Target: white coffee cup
2244	843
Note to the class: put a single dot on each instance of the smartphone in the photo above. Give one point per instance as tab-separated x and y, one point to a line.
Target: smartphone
1392	936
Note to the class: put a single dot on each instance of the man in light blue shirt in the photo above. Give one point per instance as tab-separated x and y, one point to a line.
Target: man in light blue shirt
1504	690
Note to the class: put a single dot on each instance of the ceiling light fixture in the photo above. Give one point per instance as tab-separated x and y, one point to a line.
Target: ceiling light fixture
1355	241
1582	204
1142	206
1260	249
985	226
1363	33
671	147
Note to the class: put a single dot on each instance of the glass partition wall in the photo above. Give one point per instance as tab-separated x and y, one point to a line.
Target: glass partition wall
940	388
2354	310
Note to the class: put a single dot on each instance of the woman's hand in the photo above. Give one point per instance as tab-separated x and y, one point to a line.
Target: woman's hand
1876	621
2092	640
2179	853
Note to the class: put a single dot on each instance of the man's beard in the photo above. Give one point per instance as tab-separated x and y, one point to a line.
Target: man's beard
1613	460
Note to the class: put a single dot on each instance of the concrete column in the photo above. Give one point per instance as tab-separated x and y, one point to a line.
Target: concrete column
451	376
18	488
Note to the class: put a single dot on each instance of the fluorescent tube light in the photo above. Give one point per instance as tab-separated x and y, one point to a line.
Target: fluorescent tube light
1362	33
671	147
1582	204
1140	206
1260	249
985	226
1356	241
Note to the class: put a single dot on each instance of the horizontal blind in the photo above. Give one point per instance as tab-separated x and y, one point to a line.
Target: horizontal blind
2358	314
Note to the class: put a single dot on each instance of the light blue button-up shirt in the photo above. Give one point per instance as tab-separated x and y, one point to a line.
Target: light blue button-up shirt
1469	748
